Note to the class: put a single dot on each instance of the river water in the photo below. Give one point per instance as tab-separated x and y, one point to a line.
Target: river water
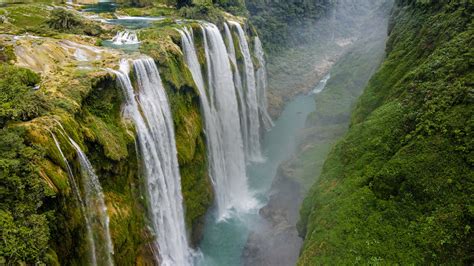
224	241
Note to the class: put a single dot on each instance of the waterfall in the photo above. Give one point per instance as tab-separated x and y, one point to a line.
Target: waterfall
125	37
77	194
222	121
149	109
244	119
261	79
254	151
322	84
95	211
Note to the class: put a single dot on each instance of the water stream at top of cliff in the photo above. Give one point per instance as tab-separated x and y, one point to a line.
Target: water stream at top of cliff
101	7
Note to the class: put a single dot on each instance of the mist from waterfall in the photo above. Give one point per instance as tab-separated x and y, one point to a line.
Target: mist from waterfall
150	111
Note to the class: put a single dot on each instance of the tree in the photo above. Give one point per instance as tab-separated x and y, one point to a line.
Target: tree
183	3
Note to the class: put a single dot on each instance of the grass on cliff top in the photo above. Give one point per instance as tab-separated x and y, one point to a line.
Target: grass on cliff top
398	188
43	19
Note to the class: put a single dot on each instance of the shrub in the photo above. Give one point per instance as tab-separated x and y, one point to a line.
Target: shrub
18	98
64	20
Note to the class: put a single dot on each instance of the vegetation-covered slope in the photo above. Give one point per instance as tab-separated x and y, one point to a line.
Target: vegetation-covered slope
398	188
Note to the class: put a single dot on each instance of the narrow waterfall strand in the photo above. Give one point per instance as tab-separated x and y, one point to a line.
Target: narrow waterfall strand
95	209
254	152
243	110
262	84
77	194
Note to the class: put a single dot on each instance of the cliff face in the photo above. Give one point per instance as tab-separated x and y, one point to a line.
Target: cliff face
396	188
55	84
70	93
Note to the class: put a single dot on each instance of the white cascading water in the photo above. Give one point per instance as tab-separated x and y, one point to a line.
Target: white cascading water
254	151
149	109
322	84
125	37
221	115
244	119
77	195
95	210
262	83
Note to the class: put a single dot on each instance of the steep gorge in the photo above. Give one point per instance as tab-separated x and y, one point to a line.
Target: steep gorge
156	146
397	187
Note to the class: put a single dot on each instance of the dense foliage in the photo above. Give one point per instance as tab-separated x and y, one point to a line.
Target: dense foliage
24	228
61	19
398	188
18	99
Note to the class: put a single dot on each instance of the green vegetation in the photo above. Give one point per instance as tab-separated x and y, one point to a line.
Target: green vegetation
281	23
23	221
315	47
45	19
40	219
398	187
207	12
62	19
18	99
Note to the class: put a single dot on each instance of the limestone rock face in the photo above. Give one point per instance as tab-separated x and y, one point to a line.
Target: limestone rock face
46	54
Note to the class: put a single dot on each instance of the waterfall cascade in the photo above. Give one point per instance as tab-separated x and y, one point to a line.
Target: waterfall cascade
262	84
221	115
125	37
322	84
96	211
92	206
244	119
149	109
253	150
82	206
